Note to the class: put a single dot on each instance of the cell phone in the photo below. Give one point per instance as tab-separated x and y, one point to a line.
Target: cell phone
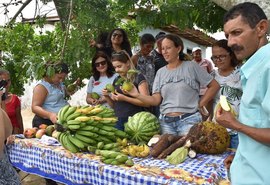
4	97
3	84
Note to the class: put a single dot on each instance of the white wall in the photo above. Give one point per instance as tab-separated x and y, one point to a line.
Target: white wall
187	44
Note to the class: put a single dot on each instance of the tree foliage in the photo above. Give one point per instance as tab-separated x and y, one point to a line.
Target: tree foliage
25	52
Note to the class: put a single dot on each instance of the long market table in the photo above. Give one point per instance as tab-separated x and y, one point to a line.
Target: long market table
54	162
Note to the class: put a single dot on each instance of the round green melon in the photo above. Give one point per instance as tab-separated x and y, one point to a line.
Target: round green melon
142	127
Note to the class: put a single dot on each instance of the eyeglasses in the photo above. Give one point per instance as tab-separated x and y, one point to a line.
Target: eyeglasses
102	63
219	58
117	34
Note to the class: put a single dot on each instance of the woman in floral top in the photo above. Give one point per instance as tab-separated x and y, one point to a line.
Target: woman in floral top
103	74
227	75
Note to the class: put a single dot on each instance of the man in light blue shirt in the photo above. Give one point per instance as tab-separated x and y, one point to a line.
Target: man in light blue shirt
245	26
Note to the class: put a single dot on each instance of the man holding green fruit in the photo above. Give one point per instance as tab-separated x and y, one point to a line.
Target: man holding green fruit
245	26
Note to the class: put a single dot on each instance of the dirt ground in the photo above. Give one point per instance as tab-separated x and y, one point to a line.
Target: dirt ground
29	179
27	116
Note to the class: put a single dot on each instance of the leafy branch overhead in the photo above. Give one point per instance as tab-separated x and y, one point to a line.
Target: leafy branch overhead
25	52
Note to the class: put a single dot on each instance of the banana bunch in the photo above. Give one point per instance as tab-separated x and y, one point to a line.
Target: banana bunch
136	150
114	158
85	127
122	143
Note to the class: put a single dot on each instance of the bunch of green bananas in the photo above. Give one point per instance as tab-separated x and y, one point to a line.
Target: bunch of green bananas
86	126
114	158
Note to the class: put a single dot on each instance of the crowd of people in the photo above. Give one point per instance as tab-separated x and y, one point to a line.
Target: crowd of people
175	89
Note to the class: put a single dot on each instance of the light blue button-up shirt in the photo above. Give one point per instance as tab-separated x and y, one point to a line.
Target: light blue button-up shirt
251	165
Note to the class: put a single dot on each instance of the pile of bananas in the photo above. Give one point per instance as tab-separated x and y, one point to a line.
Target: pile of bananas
136	150
81	127
114	158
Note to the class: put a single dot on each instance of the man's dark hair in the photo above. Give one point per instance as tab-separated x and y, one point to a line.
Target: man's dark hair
61	68
147	38
160	35
250	12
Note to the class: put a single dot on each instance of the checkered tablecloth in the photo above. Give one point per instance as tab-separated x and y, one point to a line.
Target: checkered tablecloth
56	163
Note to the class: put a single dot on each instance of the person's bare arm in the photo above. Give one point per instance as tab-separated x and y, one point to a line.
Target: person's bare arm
39	95
210	93
107	97
91	100
134	59
228	161
19	119
153	100
5	130
143	89
226	119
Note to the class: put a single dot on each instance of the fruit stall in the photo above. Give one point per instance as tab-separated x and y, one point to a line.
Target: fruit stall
85	148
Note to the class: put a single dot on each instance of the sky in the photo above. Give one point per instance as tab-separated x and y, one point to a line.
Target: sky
28	12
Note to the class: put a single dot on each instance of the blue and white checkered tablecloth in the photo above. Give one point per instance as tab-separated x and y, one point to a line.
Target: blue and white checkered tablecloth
55	163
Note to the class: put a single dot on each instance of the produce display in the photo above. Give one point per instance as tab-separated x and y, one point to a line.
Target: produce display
141	127
136	150
39	132
91	129
205	137
81	127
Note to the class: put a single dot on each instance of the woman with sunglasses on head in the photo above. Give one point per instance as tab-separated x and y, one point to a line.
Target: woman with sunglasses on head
117	41
12	104
227	75
176	89
124	105
103	74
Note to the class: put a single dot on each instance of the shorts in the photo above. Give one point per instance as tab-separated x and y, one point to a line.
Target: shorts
179	125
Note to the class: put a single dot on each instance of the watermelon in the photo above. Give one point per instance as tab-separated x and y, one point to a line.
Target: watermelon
141	127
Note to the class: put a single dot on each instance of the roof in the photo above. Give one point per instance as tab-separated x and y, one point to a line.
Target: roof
193	35
49	19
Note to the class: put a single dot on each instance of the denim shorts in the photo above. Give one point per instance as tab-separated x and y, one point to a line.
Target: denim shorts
178	126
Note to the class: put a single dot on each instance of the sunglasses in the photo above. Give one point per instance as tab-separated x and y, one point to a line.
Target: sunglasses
102	63
117	34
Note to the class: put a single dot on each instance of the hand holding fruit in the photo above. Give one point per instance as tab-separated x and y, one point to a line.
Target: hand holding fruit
71	88
225	118
105	92
117	96
133	92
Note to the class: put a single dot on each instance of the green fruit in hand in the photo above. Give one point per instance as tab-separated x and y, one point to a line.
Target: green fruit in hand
110	88
71	87
119	81
95	95
133	71
127	86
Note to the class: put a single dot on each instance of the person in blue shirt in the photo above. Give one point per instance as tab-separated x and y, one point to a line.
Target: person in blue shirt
245	26
49	96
